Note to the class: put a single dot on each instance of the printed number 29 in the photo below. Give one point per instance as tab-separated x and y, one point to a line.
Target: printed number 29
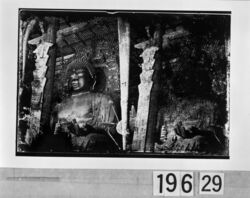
211	183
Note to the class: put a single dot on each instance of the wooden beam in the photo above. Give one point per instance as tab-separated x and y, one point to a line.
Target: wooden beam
75	33
80	39
66	31
65	41
64	57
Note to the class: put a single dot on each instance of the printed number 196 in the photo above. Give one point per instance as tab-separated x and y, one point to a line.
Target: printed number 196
173	183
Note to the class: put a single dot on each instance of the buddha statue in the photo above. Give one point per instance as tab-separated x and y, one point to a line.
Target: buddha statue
88	117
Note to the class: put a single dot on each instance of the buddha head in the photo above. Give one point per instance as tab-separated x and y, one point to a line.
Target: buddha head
79	76
78	79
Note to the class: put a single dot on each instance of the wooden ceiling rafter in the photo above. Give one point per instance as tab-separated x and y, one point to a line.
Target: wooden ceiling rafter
65	32
75	33
72	36
70	46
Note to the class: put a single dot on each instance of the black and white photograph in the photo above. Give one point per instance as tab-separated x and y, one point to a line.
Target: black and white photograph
123	83
107	98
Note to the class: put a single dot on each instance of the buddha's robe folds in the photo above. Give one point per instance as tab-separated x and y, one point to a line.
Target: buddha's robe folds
94	109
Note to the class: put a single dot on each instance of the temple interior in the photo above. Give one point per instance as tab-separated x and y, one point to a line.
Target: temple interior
123	83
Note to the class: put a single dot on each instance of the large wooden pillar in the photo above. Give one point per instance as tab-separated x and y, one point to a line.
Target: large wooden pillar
146	120
124	52
48	89
24	39
154	95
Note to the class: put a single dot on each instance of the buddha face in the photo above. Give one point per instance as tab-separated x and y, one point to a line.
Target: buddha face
77	79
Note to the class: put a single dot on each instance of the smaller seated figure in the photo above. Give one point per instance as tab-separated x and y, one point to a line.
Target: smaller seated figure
89	118
192	139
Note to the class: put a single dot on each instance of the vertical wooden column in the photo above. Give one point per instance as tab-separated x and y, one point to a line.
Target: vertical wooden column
146	120
154	95
145	87
124	51
48	89
24	44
